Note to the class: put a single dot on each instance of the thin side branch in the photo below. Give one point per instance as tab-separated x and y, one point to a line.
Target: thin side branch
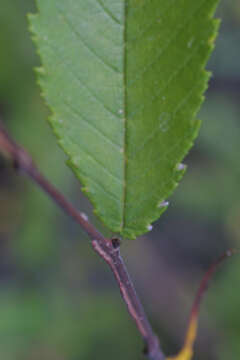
107	249
187	352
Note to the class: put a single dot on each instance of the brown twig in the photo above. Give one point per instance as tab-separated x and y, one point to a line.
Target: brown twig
107	249
186	352
205	281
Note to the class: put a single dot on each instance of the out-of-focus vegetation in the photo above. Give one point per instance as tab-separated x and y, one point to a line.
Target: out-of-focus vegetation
57	299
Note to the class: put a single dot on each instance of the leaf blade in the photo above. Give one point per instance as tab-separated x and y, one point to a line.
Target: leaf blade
124	80
99	177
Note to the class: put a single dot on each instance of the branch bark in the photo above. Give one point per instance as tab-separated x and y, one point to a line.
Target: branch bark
107	249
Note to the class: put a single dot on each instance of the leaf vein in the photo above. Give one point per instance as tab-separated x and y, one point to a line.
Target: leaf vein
90	125
79	37
97	162
100	186
171	78
170	42
156	131
140	34
108	12
161	159
82	83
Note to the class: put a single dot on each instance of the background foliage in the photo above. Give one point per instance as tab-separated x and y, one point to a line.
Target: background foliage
57	299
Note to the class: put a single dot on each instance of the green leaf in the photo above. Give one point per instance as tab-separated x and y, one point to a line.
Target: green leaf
124	81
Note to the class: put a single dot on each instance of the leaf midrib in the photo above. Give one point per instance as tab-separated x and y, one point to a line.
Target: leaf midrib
125	115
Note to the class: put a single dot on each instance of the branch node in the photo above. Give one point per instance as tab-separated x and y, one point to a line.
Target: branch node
116	243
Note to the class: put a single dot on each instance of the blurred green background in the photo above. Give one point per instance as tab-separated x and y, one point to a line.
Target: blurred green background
57	299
